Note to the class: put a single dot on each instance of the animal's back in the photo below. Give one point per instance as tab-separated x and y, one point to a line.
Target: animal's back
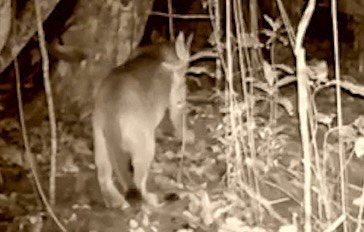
139	87
129	105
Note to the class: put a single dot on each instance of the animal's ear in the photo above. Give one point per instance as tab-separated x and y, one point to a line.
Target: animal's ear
180	38
183	49
189	42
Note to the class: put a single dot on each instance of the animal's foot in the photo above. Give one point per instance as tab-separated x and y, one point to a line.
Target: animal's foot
133	196
115	200
152	199
171	197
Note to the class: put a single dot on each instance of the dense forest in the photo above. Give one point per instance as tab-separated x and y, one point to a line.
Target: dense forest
208	115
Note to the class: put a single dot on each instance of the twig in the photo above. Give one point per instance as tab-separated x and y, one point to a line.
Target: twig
339	108
231	99
264	202
48	91
287	23
208	53
282	190
334	226
180	16
29	155
303	102
353	88
215	19
245	65
170	20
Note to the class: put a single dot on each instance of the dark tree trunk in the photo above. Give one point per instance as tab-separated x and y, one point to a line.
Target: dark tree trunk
105	32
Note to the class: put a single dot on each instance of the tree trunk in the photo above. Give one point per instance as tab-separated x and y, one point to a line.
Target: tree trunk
105	31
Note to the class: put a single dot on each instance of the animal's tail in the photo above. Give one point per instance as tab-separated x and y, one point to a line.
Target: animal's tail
120	159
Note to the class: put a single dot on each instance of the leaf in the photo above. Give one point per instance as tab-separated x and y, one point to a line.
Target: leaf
37	222
206	212
167	183
348	133
204	4
269	20
68	165
185	230
234	224
285	68
268	33
12	155
264	87
270	74
359	147
319	71
63	68
133	224
2	142
274	24
353	88
222	209
234	221
249	41
201	70
358	201
288	228
204	54
325	119
8	124
145	220
283	40
359	124
80	147
286	80
287	105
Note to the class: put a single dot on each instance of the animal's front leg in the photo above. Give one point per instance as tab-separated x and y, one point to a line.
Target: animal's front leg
176	113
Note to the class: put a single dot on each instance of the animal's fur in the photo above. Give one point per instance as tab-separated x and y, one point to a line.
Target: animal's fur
129	105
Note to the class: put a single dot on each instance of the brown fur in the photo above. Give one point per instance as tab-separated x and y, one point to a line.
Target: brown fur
129	105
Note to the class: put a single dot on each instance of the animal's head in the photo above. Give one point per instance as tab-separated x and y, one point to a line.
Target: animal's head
177	57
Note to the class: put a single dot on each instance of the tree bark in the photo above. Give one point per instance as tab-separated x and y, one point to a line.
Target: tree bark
106	31
5	22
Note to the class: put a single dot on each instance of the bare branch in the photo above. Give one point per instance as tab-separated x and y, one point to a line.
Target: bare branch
48	91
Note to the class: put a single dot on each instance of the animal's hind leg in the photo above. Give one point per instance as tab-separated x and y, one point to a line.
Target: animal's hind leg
112	197
143	156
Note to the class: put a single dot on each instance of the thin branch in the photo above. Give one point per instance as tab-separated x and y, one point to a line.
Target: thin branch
48	91
180	16
170	20
303	103
264	202
215	19
29	155
339	108
287	23
302	26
